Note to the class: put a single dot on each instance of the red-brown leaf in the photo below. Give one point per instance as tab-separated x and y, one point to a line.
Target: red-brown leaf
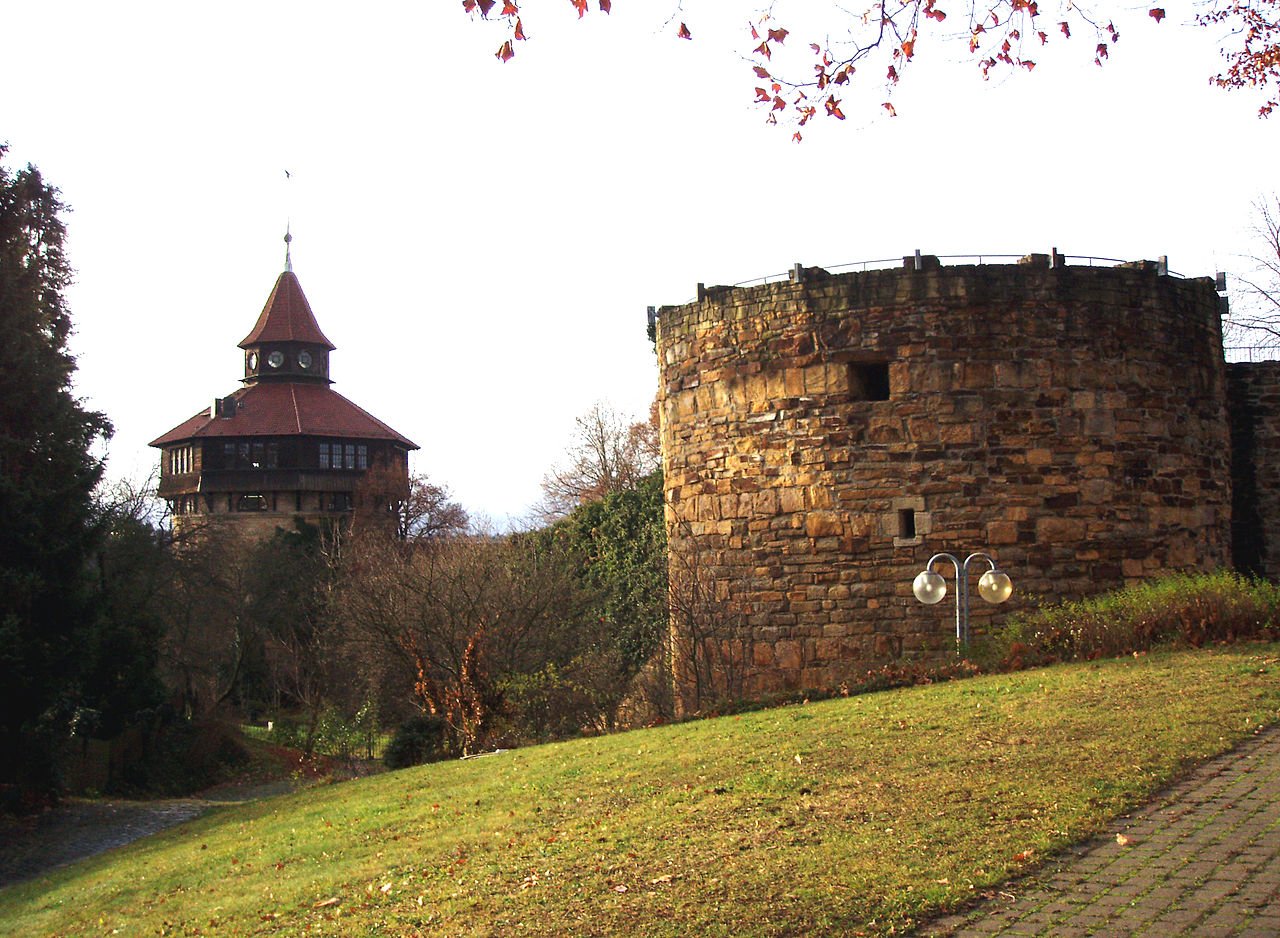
505	52
889	107
509	8
1156	13
580	6
937	15
778	35
761	71
683	32
485	6
778	104
519	33
606	6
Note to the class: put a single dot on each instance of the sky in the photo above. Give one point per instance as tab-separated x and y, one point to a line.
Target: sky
481	240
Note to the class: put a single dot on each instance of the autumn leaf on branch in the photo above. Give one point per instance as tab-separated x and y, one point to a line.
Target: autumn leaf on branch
889	33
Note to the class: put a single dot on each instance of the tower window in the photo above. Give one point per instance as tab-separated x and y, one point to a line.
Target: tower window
336	501
906	523
252	502
181	460
869	381
344	456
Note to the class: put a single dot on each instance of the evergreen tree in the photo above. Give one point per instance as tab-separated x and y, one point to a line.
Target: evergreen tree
47	477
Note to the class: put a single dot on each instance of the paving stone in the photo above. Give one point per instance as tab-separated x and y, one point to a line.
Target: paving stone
1205	864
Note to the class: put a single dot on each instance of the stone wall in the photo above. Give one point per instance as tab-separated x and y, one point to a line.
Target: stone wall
1253	393
822	438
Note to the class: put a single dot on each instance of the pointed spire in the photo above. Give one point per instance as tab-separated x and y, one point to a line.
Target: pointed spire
288	240
287	317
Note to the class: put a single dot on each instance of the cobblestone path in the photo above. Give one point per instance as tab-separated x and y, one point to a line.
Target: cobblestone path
1203	859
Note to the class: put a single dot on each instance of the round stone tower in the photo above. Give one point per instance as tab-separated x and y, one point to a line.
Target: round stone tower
823	437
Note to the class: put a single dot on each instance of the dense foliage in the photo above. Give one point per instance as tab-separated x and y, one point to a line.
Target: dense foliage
47	477
622	541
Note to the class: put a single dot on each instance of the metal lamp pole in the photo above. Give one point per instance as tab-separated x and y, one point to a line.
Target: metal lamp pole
929	587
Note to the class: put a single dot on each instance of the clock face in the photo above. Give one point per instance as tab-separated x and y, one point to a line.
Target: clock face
253	361
275	359
304	359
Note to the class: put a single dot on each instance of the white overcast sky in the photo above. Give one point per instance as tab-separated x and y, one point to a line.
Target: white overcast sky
481	240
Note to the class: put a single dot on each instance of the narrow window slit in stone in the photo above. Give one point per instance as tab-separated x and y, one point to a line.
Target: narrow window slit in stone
869	381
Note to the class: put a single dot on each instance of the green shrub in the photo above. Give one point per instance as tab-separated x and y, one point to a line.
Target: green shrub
332	733
421	739
1186	609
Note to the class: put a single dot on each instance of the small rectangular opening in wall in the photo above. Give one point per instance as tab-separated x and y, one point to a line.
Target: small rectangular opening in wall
869	381
906	523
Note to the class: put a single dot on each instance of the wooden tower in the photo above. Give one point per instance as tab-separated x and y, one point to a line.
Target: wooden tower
285	445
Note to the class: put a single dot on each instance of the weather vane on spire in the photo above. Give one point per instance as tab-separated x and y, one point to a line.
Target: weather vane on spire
288	237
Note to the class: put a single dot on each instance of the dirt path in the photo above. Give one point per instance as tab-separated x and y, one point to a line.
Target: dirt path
81	827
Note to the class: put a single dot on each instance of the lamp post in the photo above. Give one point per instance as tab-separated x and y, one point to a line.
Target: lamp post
994	586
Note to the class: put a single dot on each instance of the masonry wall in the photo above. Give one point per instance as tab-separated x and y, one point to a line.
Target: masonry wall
1253	391
1069	420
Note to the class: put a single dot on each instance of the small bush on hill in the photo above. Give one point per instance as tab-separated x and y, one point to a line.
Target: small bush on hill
422	739
1188	609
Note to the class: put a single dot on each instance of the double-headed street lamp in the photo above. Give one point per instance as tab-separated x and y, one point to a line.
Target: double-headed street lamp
994	586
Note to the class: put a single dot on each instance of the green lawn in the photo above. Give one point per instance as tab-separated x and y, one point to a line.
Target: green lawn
860	815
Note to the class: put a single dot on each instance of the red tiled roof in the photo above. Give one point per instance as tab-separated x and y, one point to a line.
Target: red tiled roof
287	409
287	317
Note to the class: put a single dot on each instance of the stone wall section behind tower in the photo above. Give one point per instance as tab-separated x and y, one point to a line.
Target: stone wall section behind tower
1254	400
823	438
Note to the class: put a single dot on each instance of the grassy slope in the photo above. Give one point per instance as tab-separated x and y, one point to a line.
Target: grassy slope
831	818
